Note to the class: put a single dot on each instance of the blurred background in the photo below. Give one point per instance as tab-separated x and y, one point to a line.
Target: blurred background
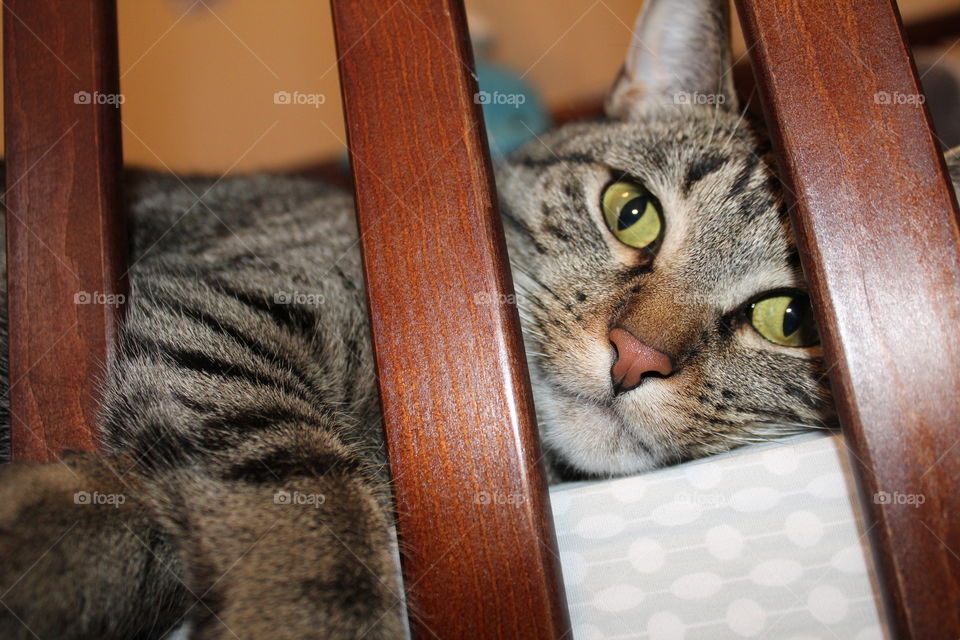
199	77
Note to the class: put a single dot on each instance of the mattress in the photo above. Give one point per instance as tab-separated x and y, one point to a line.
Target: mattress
764	542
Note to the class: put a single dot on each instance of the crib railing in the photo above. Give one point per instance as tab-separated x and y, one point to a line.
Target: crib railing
472	509
877	227
876	221
65	231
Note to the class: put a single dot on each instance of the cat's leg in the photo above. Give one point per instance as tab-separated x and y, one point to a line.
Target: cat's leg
288	542
80	555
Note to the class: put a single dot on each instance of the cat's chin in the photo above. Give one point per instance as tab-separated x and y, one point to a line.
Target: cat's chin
591	438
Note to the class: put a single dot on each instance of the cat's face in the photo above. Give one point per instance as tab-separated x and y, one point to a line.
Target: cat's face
667	226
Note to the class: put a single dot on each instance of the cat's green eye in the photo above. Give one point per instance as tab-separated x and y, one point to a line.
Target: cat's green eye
632	214
785	319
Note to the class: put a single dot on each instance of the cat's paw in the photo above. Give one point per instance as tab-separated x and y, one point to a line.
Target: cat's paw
299	558
77	544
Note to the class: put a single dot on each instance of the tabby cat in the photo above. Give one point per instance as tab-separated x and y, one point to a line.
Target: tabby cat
243	490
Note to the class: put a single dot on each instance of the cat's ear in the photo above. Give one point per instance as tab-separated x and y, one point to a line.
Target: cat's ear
679	54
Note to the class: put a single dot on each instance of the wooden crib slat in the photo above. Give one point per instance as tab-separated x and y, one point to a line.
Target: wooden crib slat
877	225
478	549
64	229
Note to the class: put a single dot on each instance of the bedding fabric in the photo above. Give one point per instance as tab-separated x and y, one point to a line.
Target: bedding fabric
764	542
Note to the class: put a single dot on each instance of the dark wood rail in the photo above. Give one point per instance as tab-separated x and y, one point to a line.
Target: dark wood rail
65	238
479	555
877	225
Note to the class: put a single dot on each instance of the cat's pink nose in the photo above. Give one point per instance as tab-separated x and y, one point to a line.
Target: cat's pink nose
635	360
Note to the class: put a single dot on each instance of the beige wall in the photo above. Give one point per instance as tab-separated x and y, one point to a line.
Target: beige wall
199	86
199	83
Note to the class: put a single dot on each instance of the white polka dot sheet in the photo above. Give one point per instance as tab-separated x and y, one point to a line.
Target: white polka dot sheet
765	542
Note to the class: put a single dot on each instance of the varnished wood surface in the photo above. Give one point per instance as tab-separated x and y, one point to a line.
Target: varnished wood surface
478	550
877	226
65	235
